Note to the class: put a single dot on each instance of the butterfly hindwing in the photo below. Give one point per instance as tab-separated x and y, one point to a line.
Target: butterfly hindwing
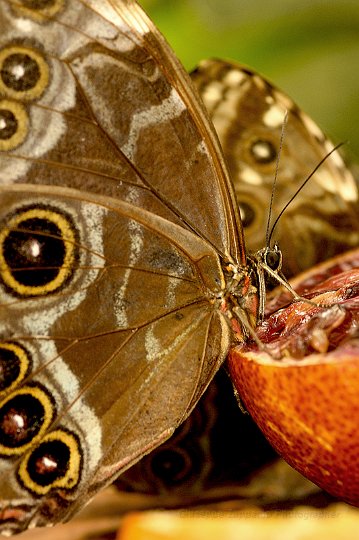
98	326
122	264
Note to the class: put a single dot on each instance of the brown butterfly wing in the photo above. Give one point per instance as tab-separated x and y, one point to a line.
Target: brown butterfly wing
108	364
210	457
110	106
248	112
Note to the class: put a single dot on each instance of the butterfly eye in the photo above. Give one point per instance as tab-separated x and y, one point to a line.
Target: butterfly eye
263	151
14	124
24	73
273	258
38	251
56	462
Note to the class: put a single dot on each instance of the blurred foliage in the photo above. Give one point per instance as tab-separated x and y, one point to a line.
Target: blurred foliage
308	48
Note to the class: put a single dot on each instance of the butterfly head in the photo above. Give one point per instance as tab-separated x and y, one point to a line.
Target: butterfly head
271	257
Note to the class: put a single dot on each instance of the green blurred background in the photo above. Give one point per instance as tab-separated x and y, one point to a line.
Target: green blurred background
309	48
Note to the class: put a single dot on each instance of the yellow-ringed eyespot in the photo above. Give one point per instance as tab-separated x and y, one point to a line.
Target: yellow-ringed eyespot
25	415
39	10
24	73
14	124
38	251
15	364
55	463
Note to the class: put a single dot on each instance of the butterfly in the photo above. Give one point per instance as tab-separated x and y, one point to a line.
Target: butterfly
123	271
247	112
197	463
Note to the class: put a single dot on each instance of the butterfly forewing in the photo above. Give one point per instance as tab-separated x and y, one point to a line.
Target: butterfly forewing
117	216
111	75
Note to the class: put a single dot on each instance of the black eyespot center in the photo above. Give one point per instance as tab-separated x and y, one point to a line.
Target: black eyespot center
15	363
22	416
20	72
38	250
8	124
18	424
14	124
49	462
170	464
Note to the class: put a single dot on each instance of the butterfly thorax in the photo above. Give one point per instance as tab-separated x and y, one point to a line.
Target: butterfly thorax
239	301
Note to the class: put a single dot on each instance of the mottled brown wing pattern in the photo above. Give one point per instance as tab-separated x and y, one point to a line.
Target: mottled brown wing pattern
90	335
122	264
91	56
210	457
247	112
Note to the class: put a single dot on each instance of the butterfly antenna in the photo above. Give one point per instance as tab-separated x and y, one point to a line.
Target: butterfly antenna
284	125
298	190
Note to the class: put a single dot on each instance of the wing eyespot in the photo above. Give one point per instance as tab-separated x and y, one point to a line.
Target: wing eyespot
15	364
248	213
263	151
24	73
38	10
38	251
55	463
172	466
25	416
14	124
